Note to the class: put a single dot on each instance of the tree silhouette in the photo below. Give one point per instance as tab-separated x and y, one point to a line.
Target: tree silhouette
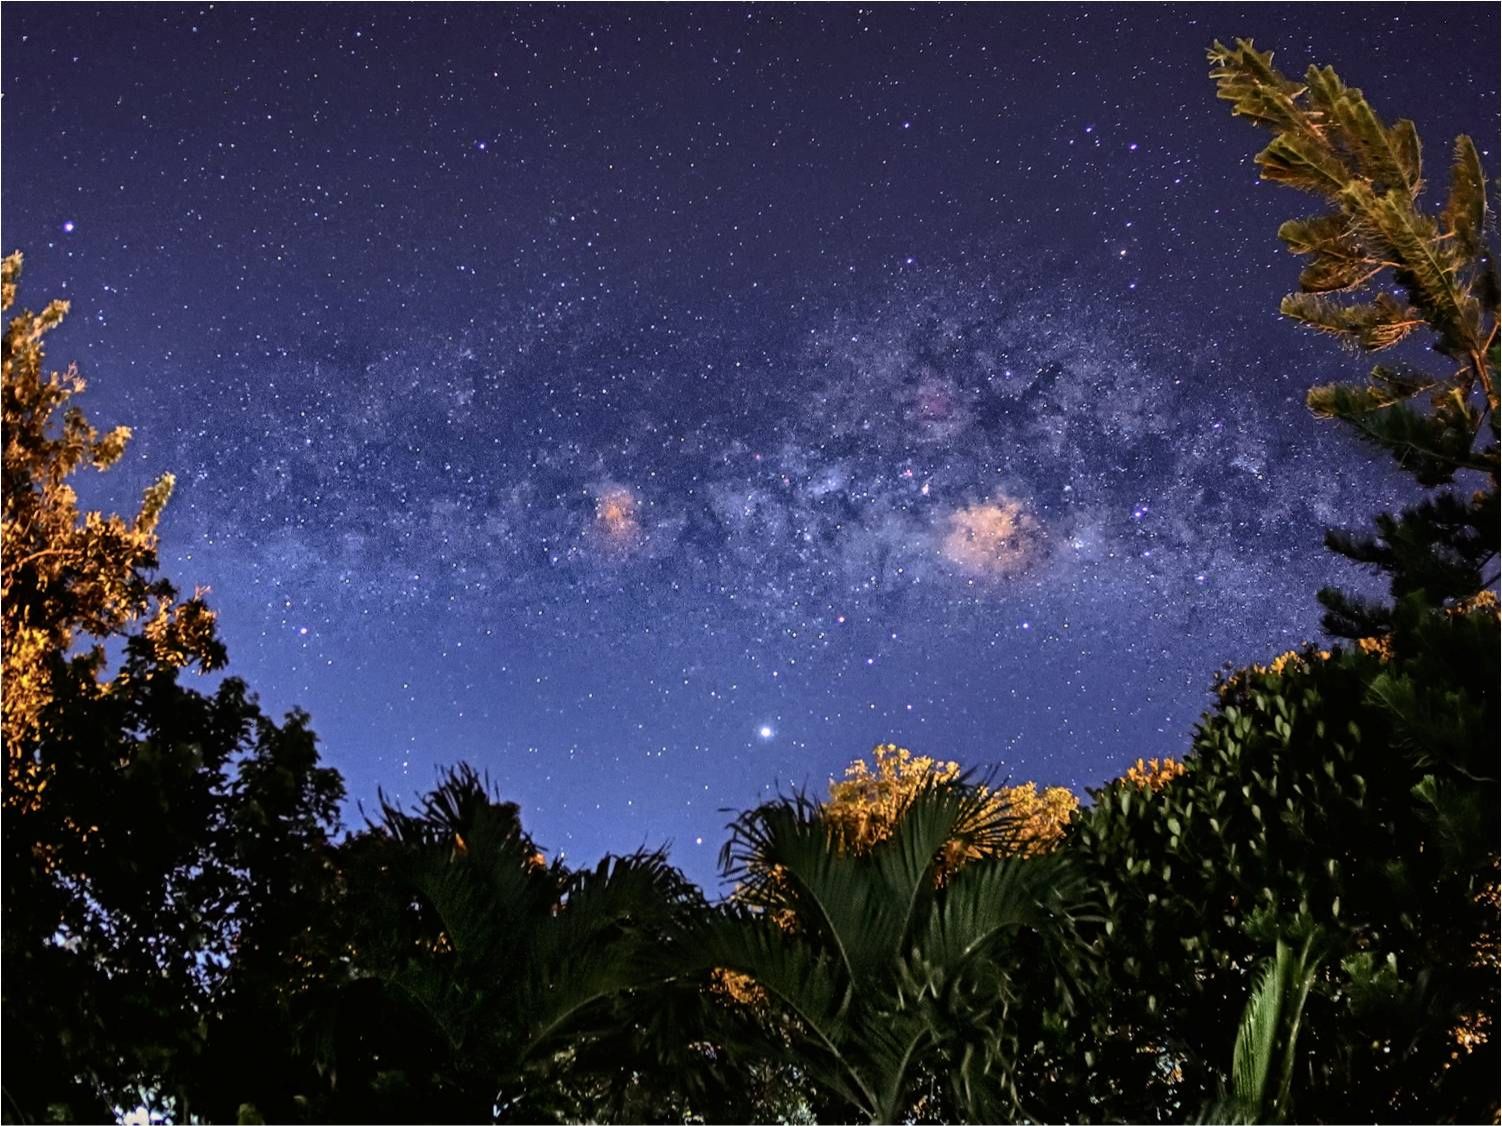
163	848
484	983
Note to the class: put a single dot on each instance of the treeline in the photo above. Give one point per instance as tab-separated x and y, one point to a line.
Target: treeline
1298	920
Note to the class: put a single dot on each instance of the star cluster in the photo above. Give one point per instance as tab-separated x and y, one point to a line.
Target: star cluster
655	405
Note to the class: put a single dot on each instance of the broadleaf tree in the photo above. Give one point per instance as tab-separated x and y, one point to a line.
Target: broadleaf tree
165	850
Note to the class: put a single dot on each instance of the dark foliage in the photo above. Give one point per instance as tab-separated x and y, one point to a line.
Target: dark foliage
481	982
165	849
1355	792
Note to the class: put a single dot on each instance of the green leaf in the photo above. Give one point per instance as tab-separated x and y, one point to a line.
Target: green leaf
1267	1041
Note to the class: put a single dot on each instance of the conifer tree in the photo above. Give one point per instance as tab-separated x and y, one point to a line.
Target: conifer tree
1419	270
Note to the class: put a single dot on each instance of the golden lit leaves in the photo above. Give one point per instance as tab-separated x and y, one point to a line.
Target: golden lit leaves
1153	774
1482	602
1292	661
10	273
866	805
179	633
737	987
1044	814
1470	1032
1485	953
65	573
998	538
1283	662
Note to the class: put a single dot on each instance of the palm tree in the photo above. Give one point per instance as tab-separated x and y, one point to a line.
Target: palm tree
893	971
480	974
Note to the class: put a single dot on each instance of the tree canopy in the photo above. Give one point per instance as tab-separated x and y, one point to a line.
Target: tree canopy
164	848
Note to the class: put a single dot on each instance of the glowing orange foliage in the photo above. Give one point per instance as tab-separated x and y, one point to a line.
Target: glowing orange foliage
865	806
1153	774
65	575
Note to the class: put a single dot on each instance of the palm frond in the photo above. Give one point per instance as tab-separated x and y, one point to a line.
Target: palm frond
940	813
1267	1040
992	896
1257	1037
484	884
810	982
744	858
618	926
796	864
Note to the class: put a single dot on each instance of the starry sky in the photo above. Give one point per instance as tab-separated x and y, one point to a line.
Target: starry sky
653	405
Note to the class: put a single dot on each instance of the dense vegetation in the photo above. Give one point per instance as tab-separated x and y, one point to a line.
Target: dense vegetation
1298	920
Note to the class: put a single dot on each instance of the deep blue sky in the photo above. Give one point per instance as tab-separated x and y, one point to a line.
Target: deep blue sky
654	404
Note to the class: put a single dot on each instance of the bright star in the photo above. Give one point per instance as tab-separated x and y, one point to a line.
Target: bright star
765	731
68	227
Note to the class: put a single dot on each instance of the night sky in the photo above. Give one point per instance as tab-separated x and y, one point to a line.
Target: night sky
655	404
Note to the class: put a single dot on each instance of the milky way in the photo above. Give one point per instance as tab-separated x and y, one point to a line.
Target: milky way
655	406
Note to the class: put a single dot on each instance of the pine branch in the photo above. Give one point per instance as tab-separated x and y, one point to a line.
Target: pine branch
1371	328
1465	210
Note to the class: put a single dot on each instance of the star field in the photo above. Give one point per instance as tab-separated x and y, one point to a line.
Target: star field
654	405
